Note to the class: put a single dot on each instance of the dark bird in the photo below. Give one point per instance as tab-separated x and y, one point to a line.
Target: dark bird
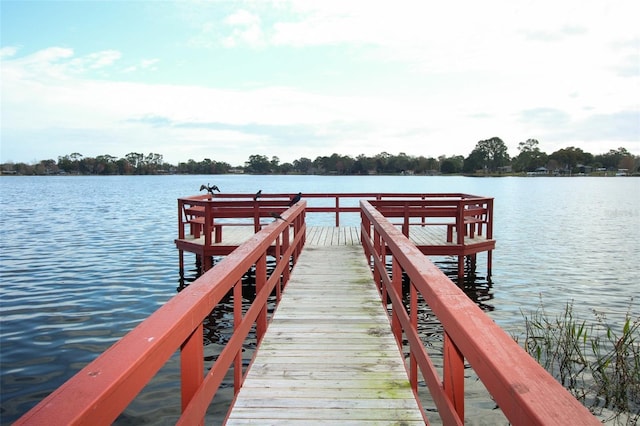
295	199
258	194
276	216
210	188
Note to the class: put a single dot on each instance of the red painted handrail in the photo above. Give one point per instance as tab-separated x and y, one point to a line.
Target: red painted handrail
104	388
241	205
525	392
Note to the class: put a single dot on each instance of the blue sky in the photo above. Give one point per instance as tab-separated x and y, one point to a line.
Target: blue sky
225	80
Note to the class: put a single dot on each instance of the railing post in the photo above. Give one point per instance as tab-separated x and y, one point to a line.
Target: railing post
192	365
460	227
261	283
297	225
337	210
256	217
490	218
181	219
237	320
285	248
208	224
453	375
413	363
278	260
405	222
396	284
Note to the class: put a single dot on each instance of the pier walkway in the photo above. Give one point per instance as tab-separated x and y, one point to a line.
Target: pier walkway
328	354
331	312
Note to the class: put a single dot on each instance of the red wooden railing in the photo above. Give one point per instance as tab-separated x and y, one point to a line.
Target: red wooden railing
525	392
203	211
104	388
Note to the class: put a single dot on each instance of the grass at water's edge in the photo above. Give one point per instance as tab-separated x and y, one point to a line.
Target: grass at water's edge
598	363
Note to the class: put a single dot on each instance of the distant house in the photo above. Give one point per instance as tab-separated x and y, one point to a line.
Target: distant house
540	171
584	169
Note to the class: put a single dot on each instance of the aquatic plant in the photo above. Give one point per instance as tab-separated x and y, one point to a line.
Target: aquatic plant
597	363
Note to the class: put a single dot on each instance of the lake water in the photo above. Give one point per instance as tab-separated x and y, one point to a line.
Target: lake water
84	259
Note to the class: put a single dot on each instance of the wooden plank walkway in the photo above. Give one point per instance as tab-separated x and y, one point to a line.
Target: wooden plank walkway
343	235
328	356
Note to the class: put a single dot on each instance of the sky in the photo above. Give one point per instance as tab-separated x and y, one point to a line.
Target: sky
226	80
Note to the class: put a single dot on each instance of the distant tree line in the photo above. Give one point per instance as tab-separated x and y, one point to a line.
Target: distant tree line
489	156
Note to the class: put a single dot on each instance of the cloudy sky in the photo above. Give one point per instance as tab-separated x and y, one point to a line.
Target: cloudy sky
225	80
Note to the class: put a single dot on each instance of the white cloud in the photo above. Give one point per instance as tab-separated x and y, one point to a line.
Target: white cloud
246	30
98	59
279	121
8	51
564	73
144	64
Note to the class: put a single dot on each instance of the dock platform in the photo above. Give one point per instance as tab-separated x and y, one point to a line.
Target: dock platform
328	355
430	239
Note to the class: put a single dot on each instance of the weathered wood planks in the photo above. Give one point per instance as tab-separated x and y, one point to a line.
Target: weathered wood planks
328	355
343	235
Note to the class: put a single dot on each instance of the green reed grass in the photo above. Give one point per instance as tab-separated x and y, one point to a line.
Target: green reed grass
598	363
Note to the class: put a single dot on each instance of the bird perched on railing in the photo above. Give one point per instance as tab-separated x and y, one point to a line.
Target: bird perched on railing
295	199
258	194
209	188
276	216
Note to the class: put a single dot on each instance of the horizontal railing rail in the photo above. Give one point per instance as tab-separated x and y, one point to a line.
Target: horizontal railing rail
524	391
202	214
335	203
105	387
467	216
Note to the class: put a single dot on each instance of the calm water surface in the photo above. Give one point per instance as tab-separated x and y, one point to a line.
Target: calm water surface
84	259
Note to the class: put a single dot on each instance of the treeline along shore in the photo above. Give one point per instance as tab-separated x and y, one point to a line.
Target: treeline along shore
489	157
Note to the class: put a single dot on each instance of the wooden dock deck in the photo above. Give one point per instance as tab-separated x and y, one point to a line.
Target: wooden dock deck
428	236
328	355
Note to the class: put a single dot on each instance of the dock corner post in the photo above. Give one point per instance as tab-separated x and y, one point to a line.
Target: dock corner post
453	375
181	262
191	365
207	262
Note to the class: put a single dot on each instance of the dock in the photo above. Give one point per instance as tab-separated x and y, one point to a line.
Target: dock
458	225
328	354
342	345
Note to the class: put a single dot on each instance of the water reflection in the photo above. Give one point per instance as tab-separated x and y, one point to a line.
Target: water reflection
478	288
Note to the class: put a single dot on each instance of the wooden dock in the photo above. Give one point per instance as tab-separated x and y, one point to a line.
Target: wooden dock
328	355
